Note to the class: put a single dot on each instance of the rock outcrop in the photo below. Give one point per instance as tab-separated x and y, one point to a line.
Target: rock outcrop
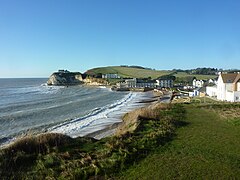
65	78
95	81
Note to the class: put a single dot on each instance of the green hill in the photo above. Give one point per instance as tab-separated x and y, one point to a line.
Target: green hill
198	76
140	72
129	72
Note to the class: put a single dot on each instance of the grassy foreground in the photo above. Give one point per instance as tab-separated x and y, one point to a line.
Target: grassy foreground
165	141
55	156
206	148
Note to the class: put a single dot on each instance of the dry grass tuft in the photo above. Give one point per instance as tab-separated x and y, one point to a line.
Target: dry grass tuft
131	119
38	144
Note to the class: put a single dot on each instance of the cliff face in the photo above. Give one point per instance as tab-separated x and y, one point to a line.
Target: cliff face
95	81
65	78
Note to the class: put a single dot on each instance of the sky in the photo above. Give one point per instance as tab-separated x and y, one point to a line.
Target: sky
40	37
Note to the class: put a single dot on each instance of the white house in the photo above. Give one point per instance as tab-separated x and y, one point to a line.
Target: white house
111	76
228	87
137	83
201	91
212	81
198	83
167	83
211	91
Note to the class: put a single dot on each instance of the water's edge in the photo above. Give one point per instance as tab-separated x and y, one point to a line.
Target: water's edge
98	123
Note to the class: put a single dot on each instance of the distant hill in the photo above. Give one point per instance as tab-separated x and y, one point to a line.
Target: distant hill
129	71
140	72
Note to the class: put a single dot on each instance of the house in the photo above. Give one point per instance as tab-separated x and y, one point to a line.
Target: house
63	71
228	87
201	91
211	91
131	82
198	83
164	82
212	81
146	83
111	76
137	83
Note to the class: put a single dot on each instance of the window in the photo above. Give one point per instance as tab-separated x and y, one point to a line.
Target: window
237	98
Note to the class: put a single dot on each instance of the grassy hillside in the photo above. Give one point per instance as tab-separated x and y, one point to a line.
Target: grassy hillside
146	73
183	75
207	147
129	72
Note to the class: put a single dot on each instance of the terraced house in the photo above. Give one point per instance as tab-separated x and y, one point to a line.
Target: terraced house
228	87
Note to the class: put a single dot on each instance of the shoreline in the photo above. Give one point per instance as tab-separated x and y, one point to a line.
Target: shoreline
112	129
106	117
109	126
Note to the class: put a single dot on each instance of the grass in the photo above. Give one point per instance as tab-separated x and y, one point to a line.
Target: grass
164	141
206	148
229	112
198	76
52	156
129	72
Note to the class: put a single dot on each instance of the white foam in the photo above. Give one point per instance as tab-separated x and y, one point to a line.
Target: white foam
42	89
99	118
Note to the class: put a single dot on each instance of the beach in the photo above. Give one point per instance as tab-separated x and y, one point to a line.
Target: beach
107	121
29	107
150	98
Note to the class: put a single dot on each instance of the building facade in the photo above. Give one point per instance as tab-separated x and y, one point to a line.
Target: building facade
211	91
111	76
228	87
146	83
198	83
164	83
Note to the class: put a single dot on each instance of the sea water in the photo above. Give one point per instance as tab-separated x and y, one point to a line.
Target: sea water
30	106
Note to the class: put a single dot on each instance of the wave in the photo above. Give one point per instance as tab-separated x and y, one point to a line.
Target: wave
96	119
42	89
74	126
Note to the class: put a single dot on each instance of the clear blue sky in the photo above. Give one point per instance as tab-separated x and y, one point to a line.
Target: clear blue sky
39	37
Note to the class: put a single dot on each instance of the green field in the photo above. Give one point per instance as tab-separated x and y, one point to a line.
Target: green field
129	72
126	72
207	147
198	76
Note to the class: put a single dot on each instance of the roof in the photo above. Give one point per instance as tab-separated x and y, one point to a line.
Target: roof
145	81
229	78
237	79
201	89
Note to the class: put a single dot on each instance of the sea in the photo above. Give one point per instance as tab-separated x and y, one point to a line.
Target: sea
30	106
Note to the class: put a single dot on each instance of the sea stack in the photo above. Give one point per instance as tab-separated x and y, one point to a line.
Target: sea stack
65	78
